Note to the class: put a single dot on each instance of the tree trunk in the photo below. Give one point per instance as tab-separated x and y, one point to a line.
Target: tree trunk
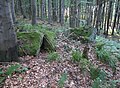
98	20
61	11
108	19
43	6
49	11
21	9
72	13
8	42
34	17
13	11
38	8
54	13
115	16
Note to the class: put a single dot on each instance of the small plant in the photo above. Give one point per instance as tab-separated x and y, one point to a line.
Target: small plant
96	72
84	64
98	83
76	56
53	56
103	55
62	80
12	69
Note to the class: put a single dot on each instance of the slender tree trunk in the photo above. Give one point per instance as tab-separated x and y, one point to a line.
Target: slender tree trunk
103	12
30	9
98	20
49	11
105	23
118	20
72	13
78	15
21	9
38	8
61	11
115	17
43	8
34	14
54	15
8	42
108	19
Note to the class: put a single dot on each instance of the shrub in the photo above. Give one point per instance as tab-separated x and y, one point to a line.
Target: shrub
62	80
76	56
53	56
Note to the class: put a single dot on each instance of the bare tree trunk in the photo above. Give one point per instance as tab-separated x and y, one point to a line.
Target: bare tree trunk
43	6
108	19
21	9
98	20
38	8
30	10
61	11
49	11
118	21
115	16
8	42
54	15
34	17
72	13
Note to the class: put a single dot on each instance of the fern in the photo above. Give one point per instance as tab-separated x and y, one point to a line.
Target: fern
12	69
62	80
76	56
53	56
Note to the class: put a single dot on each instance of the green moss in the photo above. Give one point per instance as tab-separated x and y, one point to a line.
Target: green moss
84	32
49	40
29	43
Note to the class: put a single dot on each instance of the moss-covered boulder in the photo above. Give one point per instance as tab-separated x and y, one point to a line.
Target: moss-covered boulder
29	43
48	41
85	34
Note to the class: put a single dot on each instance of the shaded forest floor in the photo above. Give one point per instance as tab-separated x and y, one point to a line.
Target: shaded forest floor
44	74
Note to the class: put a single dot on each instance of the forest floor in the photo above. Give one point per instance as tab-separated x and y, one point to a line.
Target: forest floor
44	74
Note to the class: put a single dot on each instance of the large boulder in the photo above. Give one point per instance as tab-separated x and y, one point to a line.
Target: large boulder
84	34
30	43
48	41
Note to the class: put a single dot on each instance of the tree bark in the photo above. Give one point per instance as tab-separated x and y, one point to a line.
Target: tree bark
8	41
61	11
49	11
115	16
54	13
43	6
108	19
34	17
13	11
21	9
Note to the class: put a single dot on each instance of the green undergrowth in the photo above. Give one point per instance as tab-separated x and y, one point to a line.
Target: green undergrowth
34	38
29	43
98	76
109	46
62	80
53	56
16	68
84	63
85	34
108	52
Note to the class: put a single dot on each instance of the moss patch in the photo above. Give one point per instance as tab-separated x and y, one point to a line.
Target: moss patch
82	33
29	43
49	40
